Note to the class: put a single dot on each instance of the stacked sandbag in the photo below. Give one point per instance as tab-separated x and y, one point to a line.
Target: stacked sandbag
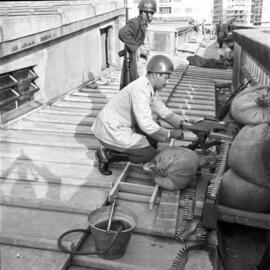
175	167
199	61
236	192
252	106
246	185
196	60
249	155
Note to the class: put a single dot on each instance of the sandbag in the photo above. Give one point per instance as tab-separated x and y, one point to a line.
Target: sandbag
196	60
236	192
229	118
252	106
175	167
249	154
199	61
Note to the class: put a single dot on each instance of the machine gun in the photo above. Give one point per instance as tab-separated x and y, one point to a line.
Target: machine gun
212	132
226	106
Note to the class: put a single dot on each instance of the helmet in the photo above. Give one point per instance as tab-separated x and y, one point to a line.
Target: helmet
160	64
148	6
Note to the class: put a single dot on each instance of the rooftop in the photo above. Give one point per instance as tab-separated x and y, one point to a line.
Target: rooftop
50	182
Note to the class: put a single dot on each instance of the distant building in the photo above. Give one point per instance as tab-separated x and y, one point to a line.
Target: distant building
239	10
256	12
196	9
242	11
218	12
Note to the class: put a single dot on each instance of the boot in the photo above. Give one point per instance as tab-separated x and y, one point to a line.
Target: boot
106	156
103	162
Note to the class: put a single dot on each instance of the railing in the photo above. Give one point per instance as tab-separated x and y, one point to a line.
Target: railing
251	56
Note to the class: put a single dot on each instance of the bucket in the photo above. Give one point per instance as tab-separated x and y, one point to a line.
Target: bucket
113	242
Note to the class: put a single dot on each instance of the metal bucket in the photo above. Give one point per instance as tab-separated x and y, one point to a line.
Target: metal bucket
112	244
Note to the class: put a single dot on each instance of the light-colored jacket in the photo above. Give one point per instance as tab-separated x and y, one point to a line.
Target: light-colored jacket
134	105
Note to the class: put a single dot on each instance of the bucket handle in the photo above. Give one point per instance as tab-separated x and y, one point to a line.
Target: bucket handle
74	252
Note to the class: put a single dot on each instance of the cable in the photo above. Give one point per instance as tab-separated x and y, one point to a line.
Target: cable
74	252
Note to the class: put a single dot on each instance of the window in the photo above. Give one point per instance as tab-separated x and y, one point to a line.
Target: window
165	10
177	10
106	46
188	10
17	88
161	42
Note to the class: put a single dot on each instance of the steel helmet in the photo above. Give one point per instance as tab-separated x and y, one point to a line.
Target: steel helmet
148	6
160	64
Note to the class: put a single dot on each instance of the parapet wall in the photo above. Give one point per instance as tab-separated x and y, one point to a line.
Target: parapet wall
251	56
27	24
62	42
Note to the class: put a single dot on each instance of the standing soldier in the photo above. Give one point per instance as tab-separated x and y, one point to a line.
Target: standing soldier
203	27
125	126
133	34
221	32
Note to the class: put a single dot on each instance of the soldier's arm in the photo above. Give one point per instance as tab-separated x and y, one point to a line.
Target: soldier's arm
127	35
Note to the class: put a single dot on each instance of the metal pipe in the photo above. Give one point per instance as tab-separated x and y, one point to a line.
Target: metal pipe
111	214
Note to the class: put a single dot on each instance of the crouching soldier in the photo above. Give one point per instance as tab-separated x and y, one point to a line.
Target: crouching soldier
126	126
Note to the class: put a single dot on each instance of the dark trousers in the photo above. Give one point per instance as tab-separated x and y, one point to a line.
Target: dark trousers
135	155
153	142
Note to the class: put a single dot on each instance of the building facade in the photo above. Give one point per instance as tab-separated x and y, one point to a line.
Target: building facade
256	12
196	9
246	12
225	10
218	13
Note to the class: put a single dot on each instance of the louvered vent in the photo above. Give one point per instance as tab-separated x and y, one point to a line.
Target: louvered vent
17	88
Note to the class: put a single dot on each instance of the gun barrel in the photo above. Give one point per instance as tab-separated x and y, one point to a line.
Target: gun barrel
213	129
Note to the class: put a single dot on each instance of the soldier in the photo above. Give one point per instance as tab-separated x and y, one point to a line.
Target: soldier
221	33
133	35
126	126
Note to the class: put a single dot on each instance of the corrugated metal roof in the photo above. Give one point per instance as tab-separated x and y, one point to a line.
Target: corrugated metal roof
49	181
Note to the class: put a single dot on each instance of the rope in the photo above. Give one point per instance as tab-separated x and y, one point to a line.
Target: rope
74	252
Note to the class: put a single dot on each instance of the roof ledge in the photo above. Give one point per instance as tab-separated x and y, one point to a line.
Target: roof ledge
256	43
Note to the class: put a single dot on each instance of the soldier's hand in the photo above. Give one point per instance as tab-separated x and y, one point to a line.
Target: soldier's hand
177	134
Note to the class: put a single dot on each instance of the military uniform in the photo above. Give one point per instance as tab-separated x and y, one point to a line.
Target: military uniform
126	126
221	32
134	105
133	35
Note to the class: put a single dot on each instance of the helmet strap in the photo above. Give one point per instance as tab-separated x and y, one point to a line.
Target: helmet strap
147	16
